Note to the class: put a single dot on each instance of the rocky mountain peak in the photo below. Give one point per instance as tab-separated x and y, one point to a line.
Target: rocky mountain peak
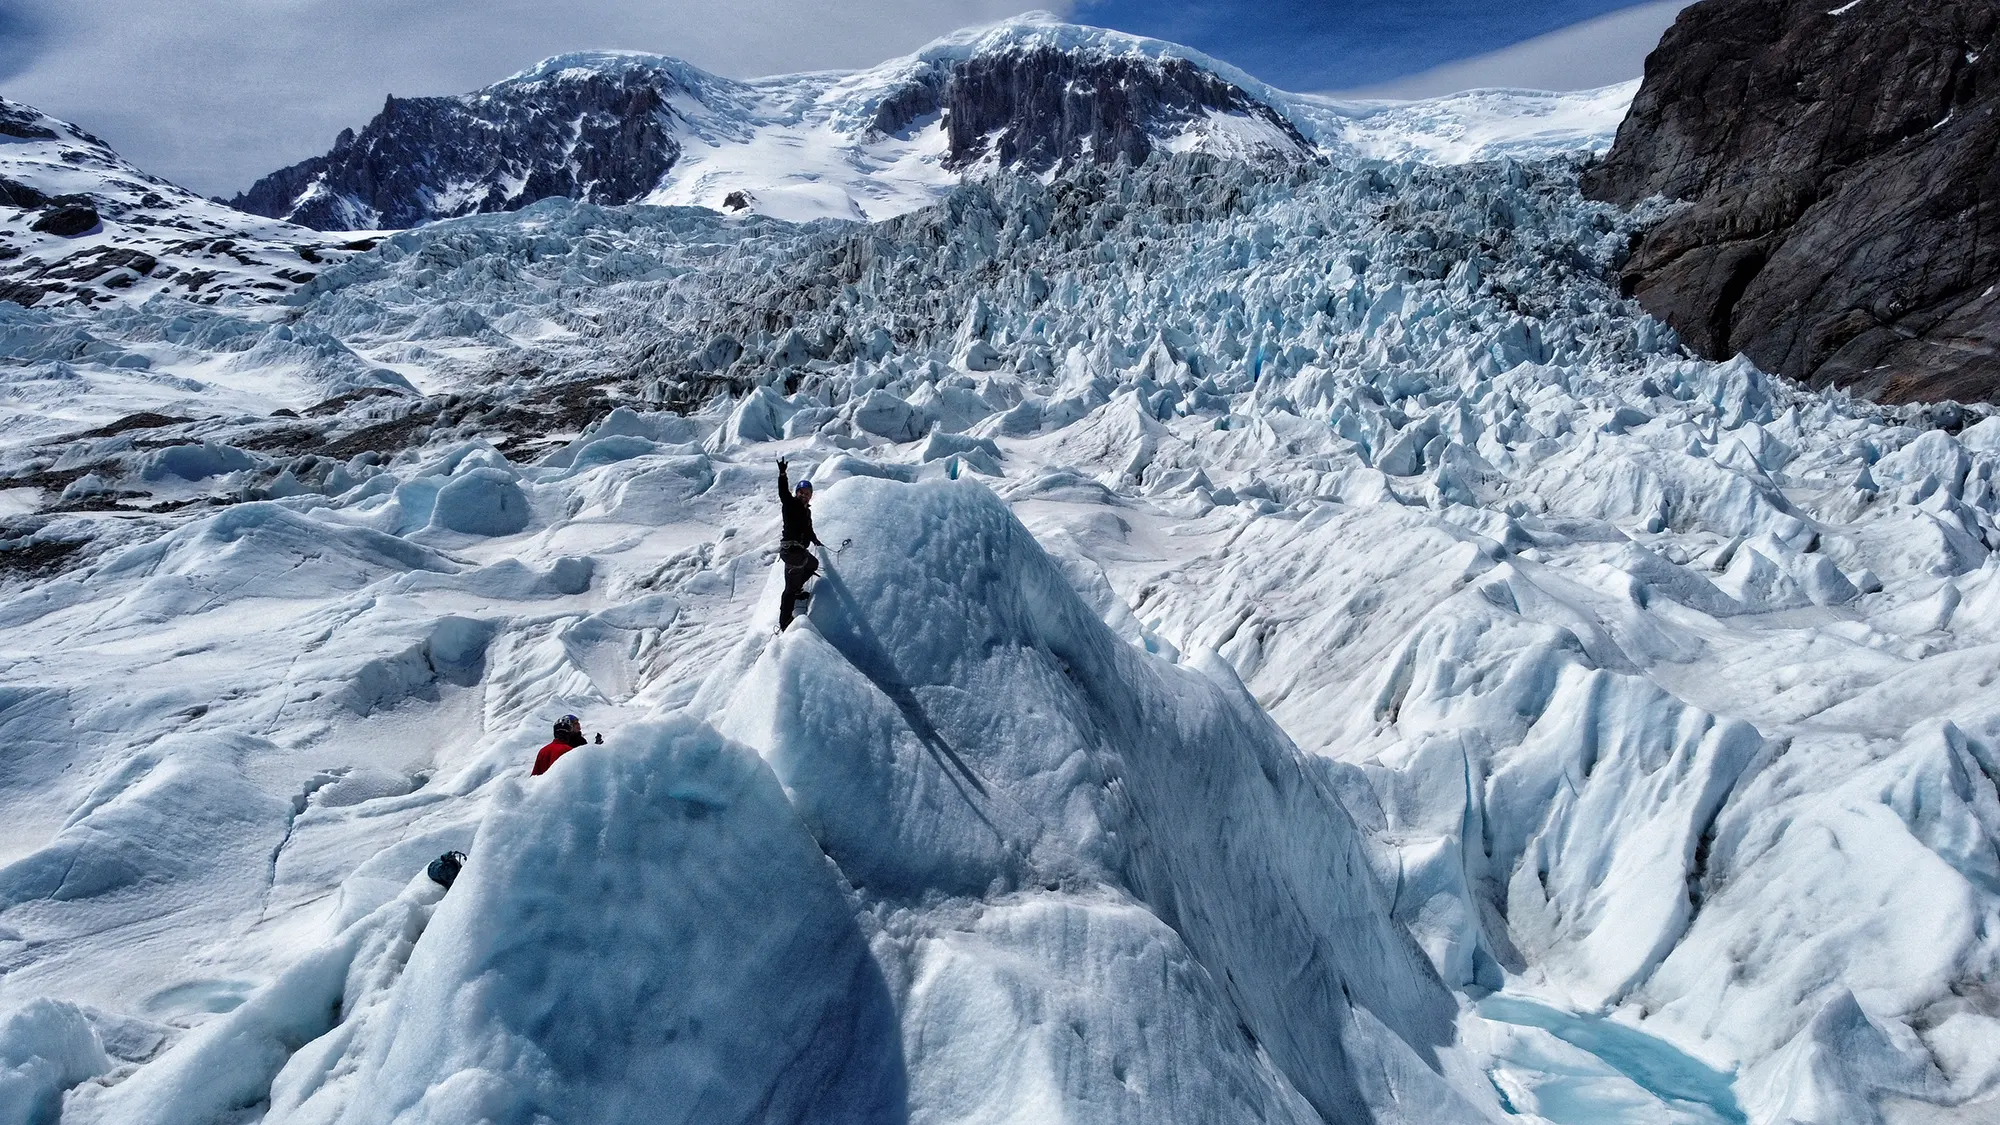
571	127
1037	106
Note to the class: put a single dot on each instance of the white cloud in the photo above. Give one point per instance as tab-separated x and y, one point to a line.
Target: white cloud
1583	56
214	93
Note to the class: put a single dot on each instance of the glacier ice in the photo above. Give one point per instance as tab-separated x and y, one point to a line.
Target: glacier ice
46	1047
1295	644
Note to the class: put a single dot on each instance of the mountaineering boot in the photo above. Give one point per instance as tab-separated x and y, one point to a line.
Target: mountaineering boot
793	606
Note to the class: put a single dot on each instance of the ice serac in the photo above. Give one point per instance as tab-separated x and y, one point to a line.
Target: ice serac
46	1047
1839	158
1002	779
646	934
1658	689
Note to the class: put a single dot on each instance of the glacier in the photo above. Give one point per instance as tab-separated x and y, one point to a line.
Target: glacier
1295	645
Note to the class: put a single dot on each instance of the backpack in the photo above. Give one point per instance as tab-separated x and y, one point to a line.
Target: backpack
444	869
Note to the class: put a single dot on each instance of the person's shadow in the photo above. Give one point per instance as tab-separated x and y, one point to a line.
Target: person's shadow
839	618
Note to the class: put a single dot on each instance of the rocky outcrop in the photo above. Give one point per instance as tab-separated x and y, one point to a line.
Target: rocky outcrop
1038	108
601	135
1842	167
23	123
68	220
14	193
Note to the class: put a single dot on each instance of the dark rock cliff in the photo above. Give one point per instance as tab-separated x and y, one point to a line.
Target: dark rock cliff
1038	108
599	136
1843	168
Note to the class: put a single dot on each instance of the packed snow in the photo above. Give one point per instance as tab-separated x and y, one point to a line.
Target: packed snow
1294	645
1487	124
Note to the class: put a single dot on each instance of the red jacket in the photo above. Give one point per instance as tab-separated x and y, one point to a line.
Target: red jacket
548	756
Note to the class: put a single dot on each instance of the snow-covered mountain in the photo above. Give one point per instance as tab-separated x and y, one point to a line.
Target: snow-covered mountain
1295	645
1028	94
78	224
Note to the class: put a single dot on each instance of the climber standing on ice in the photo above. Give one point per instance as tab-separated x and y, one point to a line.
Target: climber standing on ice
795	543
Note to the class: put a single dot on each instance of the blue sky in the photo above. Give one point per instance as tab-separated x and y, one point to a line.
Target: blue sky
214	93
1341	44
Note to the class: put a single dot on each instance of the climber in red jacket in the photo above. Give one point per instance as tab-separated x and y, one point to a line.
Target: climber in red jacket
569	736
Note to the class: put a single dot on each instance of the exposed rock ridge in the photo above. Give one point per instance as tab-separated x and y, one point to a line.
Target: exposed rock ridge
1038	108
1841	163
600	136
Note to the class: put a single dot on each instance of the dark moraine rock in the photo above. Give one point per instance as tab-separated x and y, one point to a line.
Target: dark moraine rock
144	420
21	292
597	134
1843	168
90	264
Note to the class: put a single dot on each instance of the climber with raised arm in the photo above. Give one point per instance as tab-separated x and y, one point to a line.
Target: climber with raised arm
795	543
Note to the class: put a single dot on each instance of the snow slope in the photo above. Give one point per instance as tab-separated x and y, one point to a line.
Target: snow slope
140	235
1486	125
1295	644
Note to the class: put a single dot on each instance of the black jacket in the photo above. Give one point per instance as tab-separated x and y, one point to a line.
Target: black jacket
798	517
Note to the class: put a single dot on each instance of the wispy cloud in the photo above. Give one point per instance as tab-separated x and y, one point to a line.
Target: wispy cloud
23	37
1597	52
1339	44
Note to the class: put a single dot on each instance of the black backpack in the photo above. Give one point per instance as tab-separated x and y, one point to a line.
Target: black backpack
444	869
